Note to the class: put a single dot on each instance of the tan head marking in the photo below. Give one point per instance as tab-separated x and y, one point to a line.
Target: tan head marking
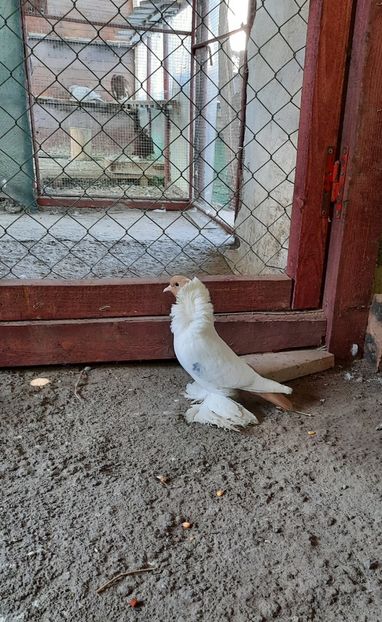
176	284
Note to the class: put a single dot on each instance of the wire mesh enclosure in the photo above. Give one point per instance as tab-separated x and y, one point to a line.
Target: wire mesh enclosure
147	137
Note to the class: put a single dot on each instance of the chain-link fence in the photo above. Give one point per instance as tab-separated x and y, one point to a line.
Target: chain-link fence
148	137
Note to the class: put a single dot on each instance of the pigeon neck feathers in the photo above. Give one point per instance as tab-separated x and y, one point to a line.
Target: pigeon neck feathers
193	308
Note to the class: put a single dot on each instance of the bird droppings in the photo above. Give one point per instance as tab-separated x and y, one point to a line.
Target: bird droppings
80	492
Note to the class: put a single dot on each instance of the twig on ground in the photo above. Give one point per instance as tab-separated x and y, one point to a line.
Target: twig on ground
299	412
120	576
83	377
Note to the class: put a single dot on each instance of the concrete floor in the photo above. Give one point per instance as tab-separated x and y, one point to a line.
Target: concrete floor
83	243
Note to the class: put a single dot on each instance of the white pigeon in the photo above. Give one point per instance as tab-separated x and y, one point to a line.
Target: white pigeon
217	371
83	93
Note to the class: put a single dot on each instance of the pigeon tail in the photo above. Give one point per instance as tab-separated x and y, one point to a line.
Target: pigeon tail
221	411
264	385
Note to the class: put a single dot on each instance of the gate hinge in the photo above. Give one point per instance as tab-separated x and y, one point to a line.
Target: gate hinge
334	183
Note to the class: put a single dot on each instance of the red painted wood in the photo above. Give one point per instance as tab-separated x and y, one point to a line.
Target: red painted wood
132	339
356	235
143	204
53	300
321	106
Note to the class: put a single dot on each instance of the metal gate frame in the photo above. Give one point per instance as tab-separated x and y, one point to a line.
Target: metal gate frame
96	202
332	254
148	204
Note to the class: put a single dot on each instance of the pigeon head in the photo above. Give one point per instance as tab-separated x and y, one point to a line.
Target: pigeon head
176	284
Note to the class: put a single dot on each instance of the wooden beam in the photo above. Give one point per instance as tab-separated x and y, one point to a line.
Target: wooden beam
97	203
80	145
137	339
54	300
329	28
284	366
356	233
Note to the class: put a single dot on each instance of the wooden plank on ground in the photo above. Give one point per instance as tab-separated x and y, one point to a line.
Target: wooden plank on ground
329	27
132	339
56	300
284	366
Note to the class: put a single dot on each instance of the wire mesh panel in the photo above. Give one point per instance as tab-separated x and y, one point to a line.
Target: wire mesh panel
164	136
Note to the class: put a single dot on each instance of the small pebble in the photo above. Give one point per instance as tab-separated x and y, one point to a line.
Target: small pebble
371	564
39	382
314	541
186	525
311	433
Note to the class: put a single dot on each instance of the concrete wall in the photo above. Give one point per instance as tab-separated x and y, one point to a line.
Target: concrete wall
275	78
56	65
100	10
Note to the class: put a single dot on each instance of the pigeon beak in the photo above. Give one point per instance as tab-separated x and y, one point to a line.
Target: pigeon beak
167	289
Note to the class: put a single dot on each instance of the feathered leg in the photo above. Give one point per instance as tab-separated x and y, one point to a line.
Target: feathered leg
195	392
221	411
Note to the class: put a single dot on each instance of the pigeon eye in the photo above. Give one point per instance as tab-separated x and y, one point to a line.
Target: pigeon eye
176	284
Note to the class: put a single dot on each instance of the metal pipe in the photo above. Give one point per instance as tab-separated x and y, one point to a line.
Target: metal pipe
24	31
192	106
167	126
125	26
226	35
149	81
243	107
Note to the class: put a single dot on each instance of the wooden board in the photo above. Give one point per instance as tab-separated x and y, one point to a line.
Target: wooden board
284	366
356	234
81	166
54	300
100	203
132	339
321	107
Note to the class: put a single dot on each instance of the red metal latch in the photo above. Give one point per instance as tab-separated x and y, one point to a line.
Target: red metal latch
338	185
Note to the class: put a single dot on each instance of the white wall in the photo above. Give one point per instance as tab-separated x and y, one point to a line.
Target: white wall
273	95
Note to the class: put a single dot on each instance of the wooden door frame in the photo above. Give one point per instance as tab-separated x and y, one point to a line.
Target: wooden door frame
357	232
328	44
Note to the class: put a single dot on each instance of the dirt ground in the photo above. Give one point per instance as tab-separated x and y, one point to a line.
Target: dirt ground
295	537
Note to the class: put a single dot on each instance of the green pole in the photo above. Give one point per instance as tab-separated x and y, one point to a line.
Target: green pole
17	179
